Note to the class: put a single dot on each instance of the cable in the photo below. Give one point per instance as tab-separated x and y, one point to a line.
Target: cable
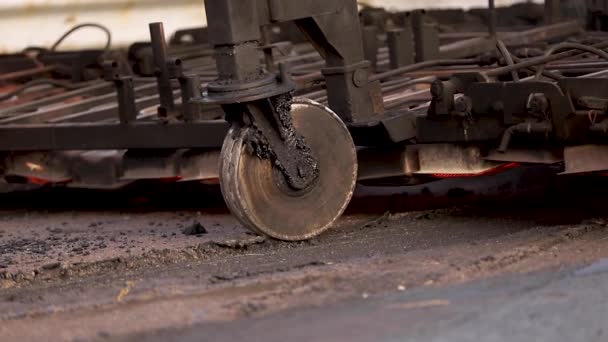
30	84
542	60
56	83
546	73
416	81
422	65
78	27
571	46
507	56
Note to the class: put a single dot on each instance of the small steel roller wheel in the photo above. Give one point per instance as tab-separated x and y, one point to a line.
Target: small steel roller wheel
258	195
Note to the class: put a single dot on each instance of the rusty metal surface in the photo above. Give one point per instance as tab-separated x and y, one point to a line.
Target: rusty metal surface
82	105
585	159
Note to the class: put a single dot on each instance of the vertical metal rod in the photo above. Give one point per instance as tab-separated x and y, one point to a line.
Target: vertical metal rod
127	111
400	47
552	11
159	48
370	44
426	37
267	48
234	33
191	95
492	18
125	92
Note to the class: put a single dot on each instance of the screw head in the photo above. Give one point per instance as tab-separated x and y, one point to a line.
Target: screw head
360	78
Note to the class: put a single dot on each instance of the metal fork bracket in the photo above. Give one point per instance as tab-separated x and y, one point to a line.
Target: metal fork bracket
254	96
329	25
470	108
272	136
234	31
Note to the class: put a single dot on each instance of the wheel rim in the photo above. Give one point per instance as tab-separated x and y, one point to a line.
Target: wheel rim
261	203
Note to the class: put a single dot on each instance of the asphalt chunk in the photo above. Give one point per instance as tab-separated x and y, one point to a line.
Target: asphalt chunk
195	228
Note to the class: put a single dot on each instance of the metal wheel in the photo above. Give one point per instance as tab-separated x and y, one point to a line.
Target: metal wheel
258	195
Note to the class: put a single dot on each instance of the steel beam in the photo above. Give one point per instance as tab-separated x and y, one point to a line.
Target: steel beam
102	136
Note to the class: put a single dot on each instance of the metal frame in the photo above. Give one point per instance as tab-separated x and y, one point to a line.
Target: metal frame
100	136
359	75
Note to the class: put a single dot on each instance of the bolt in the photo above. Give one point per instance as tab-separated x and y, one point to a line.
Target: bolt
463	104
437	88
360	78
537	103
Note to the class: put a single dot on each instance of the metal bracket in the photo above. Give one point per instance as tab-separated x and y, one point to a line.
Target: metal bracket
254	96
234	29
125	94
275	138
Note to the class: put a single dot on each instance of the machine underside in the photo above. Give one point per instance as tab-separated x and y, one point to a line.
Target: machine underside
287	111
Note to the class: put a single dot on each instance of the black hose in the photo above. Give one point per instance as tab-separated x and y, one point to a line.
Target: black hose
80	26
525	127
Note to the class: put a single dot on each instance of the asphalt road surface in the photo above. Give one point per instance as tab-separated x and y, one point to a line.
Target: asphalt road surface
516	257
